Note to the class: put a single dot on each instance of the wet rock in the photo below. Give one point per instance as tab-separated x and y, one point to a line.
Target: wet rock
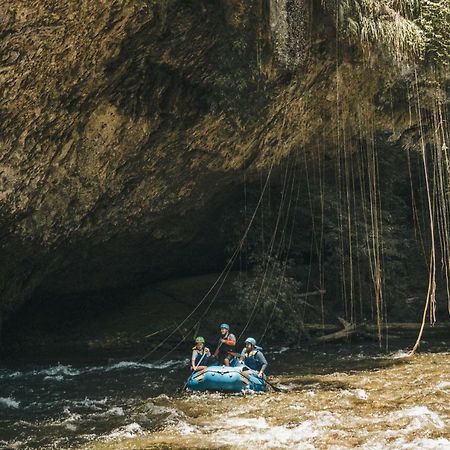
126	128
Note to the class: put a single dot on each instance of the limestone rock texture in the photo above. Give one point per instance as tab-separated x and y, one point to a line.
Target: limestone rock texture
127	126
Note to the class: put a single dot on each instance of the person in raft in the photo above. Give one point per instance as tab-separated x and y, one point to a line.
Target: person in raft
253	357
200	355
227	343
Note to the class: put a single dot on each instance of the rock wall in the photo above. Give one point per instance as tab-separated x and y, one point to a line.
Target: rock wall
127	125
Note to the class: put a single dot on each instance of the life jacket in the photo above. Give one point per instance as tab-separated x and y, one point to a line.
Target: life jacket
226	348
251	361
201	357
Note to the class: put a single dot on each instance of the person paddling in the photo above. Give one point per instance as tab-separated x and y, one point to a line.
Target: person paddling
200	355
227	343
253	357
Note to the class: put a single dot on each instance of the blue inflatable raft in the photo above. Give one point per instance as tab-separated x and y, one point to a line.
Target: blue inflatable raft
226	379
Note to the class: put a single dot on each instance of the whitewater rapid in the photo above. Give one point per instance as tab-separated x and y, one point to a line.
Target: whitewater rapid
329	399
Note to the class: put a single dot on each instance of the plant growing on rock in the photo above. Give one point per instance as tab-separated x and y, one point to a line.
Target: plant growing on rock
386	27
435	22
271	301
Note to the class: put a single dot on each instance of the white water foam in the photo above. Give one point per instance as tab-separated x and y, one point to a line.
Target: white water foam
428	444
126	432
71	416
361	394
89	403
256	423
9	402
399	354
418	417
60	372
184	428
443	385
256	431
50	373
115	411
54	378
9	375
170	415
12	445
136	365
355	357
403	443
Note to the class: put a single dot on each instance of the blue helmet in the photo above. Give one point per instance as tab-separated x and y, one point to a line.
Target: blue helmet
225	325
250	340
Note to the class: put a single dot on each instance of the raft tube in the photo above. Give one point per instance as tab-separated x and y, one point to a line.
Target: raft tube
226	379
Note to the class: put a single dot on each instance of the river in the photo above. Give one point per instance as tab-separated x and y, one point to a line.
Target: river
334	397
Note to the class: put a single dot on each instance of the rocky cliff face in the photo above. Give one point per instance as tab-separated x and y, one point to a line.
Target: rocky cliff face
113	138
126	128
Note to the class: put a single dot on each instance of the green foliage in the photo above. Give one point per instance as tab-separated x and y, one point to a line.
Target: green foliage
328	236
435	22
271	300
385	27
400	29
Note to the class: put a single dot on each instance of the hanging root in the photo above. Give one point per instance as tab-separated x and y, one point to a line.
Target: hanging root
430	303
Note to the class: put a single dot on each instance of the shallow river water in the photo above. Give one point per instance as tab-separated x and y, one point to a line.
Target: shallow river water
334	398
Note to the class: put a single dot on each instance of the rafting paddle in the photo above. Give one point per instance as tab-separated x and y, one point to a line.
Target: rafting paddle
185	384
275	388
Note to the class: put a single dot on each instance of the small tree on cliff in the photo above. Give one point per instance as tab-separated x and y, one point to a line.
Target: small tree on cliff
270	300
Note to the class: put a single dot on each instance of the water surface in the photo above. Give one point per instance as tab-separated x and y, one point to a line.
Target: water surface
336	397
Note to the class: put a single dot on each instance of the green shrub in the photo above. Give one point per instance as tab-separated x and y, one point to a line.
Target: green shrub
270	300
435	22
